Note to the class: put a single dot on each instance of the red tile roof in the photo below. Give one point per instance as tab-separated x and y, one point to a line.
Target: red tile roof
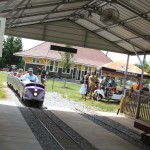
85	56
121	65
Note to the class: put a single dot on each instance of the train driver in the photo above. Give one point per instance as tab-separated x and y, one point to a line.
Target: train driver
30	76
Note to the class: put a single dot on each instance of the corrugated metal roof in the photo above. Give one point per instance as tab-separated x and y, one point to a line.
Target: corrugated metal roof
78	22
84	56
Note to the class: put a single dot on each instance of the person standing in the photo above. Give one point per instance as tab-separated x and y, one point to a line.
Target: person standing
39	70
92	82
43	75
85	85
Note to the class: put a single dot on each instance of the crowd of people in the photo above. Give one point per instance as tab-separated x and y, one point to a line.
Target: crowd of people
92	82
30	76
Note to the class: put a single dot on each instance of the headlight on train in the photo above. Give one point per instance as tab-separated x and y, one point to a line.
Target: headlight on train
35	94
36	90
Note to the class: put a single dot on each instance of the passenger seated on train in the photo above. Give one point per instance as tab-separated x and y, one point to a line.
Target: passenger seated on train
15	73
20	73
30	76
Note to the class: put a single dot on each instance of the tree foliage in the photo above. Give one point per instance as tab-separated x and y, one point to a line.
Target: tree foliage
11	45
67	61
146	67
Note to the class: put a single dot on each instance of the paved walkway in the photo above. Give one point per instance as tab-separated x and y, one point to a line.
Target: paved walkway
120	118
15	134
95	134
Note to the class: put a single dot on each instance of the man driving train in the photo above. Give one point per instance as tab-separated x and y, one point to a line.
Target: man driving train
30	76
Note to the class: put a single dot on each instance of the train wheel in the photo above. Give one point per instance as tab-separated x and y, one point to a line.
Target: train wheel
40	103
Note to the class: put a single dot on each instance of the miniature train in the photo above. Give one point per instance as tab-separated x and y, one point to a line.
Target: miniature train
28	91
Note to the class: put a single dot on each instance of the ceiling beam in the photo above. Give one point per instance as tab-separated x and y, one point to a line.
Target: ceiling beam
10	12
44	13
126	40
132	10
6	5
127	52
41	5
10	22
38	21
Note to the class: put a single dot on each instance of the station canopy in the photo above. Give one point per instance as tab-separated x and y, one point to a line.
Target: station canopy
121	26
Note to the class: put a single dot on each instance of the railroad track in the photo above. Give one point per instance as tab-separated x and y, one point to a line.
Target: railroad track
73	141
52	133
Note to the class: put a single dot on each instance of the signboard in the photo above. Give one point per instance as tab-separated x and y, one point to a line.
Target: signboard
2	29
64	49
128	73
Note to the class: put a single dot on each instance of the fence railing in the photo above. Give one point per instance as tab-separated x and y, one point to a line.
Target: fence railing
130	105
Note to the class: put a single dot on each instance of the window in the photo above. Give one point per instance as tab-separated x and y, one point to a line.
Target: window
36	60
87	68
67	71
54	66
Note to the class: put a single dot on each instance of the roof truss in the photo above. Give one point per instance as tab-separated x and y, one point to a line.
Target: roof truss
79	25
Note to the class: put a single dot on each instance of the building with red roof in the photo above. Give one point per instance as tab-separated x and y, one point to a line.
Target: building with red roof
118	68
85	60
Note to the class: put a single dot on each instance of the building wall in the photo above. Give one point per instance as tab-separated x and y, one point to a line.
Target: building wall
76	73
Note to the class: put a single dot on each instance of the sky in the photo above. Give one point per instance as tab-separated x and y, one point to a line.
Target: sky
28	43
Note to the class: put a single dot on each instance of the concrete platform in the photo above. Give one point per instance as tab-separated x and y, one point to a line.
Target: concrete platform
15	134
95	134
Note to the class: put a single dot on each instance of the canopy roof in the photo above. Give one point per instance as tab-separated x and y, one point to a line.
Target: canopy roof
119	68
77	22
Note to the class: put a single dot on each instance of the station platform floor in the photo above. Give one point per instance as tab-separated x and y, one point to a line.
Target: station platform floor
15	134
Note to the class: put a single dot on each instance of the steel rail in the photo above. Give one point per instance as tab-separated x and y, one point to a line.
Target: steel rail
63	129
46	129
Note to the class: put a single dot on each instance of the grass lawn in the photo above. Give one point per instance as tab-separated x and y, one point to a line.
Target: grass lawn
72	92
3	77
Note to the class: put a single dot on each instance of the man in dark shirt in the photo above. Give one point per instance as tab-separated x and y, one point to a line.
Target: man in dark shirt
145	88
39	70
43	75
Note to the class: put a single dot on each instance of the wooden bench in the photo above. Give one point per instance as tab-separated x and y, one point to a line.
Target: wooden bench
145	127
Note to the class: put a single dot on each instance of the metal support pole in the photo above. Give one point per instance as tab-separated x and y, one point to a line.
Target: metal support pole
141	82
25	66
125	78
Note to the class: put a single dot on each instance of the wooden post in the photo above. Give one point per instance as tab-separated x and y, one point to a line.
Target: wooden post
139	99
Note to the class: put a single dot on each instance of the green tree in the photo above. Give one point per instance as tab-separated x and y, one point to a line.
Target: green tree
146	69
11	45
67	60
